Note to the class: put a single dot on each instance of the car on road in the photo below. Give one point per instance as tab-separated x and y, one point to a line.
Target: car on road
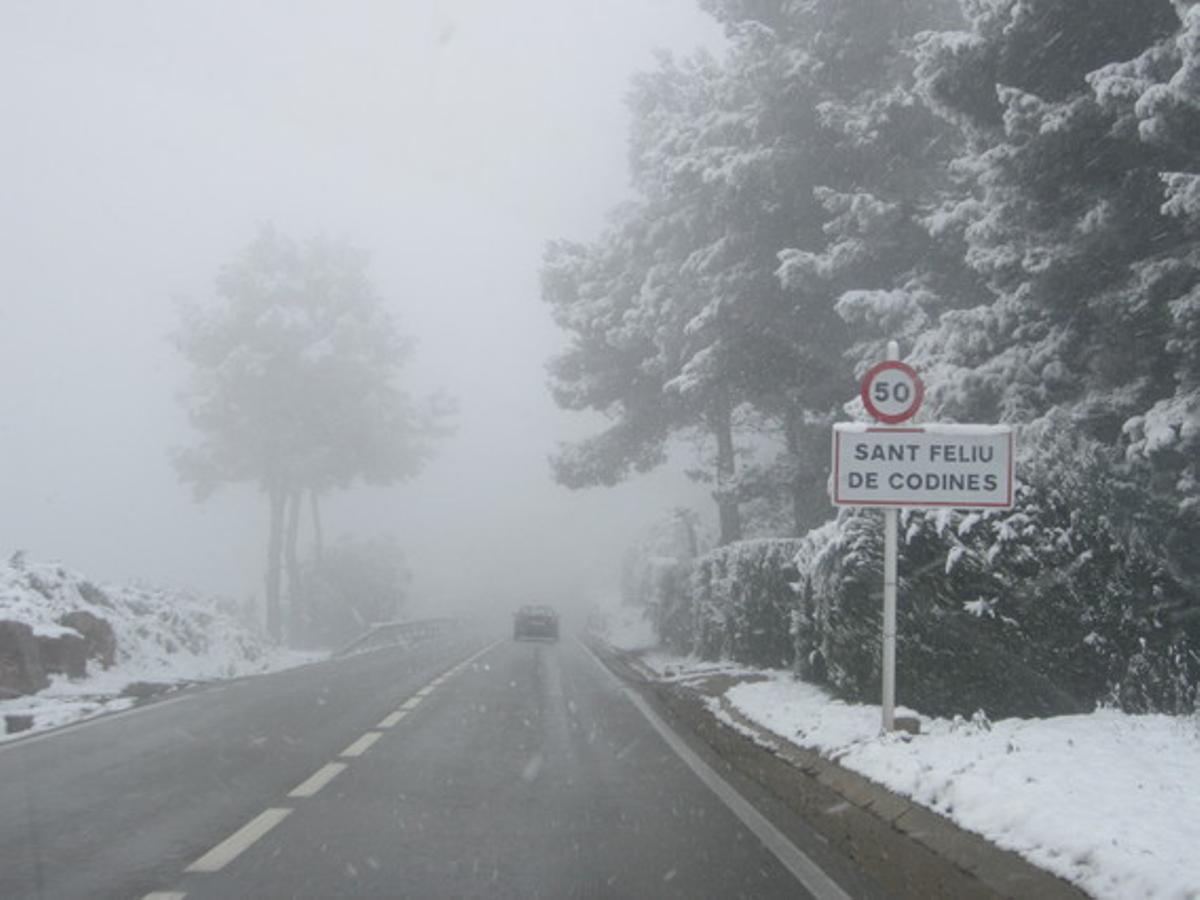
535	622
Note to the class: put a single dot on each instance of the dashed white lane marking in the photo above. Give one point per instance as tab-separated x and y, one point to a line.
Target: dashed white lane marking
318	779
391	719
230	848
466	662
807	872
359	747
165	895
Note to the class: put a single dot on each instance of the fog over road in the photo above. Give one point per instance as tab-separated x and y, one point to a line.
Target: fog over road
462	767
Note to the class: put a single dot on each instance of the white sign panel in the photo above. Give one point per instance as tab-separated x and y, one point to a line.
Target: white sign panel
964	466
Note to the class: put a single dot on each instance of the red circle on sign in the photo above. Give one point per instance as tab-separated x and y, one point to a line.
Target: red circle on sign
892	418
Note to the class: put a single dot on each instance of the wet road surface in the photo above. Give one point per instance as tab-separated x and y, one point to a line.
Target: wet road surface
464	767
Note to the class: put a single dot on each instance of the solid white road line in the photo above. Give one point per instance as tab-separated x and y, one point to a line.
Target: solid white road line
230	848
807	872
391	719
318	779
359	747
165	895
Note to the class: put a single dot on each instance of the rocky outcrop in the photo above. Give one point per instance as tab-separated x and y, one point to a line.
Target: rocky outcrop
21	670
143	690
66	654
97	634
26	659
14	724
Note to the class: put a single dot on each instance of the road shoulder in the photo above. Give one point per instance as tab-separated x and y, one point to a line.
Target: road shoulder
908	849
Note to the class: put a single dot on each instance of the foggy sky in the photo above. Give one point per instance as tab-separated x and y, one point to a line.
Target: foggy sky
146	142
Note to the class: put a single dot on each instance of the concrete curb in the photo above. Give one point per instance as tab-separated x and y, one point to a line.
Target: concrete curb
908	849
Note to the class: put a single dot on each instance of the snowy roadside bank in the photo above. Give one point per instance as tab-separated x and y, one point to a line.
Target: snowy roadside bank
1105	800
135	641
72	700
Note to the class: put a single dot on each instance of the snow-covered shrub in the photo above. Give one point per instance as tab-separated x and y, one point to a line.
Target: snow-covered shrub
1088	577
655	573
836	628
1064	602
671	605
807	619
625	627
742	603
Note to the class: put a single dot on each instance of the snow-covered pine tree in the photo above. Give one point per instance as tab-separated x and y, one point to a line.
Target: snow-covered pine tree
1066	213
1080	230
679	295
611	366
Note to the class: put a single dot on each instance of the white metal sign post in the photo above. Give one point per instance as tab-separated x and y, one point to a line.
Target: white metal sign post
961	466
892	395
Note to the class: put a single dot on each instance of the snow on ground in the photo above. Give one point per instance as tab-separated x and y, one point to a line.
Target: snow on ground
163	636
624	627
669	667
50	710
1107	801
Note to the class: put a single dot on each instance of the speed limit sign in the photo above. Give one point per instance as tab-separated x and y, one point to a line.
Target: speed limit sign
892	392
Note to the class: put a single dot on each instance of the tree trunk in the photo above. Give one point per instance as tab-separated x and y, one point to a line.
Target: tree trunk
793	422
295	590
721	422
318	532
693	544
278	500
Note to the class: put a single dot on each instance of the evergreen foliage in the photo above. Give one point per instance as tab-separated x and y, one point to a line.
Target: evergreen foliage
736	604
744	603
1053	607
1012	189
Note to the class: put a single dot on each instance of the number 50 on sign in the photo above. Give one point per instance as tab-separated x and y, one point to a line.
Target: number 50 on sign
892	392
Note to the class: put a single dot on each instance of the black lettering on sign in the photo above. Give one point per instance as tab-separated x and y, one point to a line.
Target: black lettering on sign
867	480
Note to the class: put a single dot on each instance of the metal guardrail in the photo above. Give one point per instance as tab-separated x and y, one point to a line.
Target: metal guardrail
388	633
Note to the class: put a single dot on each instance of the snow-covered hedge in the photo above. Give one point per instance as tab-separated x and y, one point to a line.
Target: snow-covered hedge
736	605
673	608
1062	603
1068	601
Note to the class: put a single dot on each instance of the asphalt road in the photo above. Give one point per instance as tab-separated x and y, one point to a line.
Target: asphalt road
462	767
